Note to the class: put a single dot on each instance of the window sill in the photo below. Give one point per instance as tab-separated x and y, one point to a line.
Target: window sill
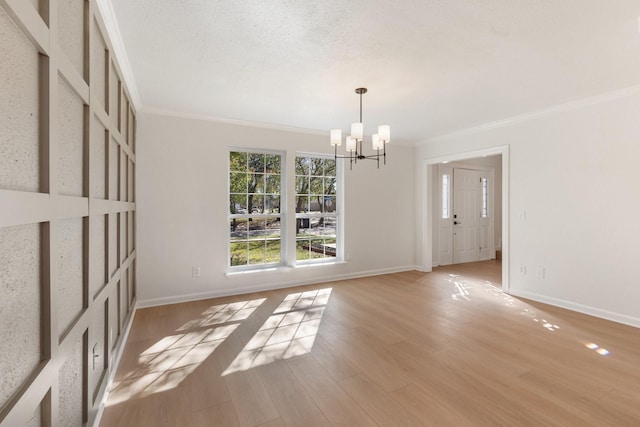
282	268
318	264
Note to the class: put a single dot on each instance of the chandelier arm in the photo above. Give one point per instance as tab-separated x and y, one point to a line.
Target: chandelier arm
370	157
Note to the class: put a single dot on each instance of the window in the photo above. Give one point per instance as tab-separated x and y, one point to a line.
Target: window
445	197
485	198
316	208
255	182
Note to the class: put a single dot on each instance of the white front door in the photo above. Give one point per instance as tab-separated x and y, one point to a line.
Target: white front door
464	218
466	215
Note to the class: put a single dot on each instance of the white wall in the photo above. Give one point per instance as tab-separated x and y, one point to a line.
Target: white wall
574	171
182	210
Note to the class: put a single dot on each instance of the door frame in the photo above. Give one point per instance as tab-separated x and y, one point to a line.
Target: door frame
429	208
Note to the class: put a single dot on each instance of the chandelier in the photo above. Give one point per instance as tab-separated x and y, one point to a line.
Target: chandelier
353	142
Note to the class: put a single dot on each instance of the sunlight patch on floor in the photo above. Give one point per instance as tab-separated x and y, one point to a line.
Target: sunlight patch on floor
290	331
461	290
224	313
600	350
164	365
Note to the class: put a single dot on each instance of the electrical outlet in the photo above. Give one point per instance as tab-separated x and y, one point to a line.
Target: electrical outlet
195	272
523	270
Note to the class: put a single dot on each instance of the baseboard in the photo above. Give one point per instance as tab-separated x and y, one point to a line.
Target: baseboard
580	308
114	366
154	302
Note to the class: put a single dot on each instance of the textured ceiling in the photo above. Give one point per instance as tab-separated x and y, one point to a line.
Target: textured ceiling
431	66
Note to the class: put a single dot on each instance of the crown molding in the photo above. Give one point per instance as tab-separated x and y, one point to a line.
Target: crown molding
119	50
270	126
209	118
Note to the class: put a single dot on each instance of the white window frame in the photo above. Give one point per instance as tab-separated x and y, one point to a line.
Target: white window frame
282	214
338	214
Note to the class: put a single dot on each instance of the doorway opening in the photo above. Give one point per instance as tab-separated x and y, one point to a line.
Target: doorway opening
466	209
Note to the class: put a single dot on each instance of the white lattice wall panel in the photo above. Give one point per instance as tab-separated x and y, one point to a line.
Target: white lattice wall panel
67	216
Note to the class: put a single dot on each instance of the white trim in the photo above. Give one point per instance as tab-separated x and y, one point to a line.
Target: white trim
149	109
209	118
580	308
560	108
113	367
119	49
505	244
261	288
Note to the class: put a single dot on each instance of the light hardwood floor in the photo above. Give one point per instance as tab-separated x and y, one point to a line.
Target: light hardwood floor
445	348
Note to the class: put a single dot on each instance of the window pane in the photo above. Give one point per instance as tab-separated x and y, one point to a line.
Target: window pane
317	248
238	182
257	252
238	204
272	163
302	185
329	167
272	228
238	229
272	184
273	251
238	254
330	185
329	204
272	204
316	167
302	165
315	185
302	204
303	227
445	197
256	228
330	248
329	226
255	183
237	161
256	162
485	198
315	204
255	203
302	250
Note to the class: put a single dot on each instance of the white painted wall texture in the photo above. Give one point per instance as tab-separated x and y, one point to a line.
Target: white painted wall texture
19	306
19	149
182	210
574	172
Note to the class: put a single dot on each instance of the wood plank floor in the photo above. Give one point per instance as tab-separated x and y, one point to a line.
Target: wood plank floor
446	348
